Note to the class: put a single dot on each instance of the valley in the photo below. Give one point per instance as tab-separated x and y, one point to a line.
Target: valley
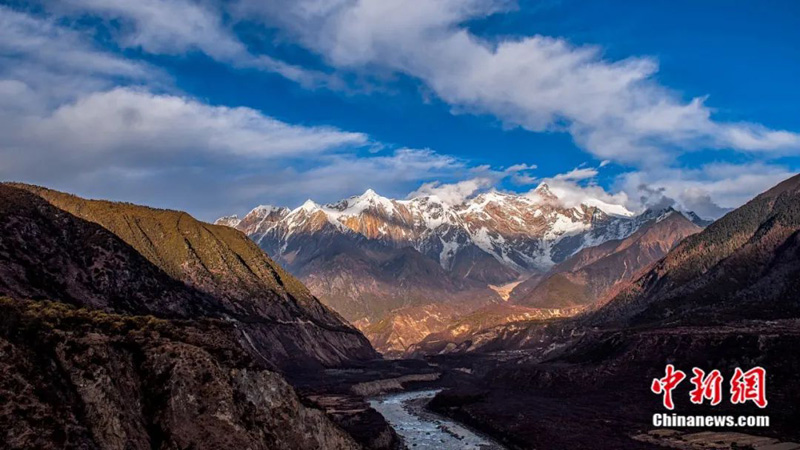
131	326
394	225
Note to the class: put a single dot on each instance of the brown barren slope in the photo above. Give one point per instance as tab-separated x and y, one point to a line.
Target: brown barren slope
226	274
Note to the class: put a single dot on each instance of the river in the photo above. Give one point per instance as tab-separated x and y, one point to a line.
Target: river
423	429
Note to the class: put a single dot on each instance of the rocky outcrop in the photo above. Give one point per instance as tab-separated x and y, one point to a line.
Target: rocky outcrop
378	387
479	330
78	378
394	334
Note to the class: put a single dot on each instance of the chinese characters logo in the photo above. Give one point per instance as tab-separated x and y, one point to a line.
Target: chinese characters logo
744	386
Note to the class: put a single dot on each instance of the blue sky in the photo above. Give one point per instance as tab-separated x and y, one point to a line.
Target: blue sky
216	107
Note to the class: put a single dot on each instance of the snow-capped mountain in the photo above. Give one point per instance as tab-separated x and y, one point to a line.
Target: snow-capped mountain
401	268
521	233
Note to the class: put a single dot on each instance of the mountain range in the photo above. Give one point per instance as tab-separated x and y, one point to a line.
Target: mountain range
123	326
742	267
724	297
402	269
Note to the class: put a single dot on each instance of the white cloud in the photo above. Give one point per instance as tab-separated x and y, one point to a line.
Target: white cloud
578	186
520	174
55	64
175	152
709	190
124	118
137	130
577	174
175	27
452	193
479	178
520	167
613	109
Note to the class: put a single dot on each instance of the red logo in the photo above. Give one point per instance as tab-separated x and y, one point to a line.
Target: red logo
706	387
667	384
745	386
749	385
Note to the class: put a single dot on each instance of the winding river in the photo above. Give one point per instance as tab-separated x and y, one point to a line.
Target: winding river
422	429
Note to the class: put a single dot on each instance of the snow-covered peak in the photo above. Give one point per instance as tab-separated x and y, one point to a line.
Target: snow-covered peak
493	196
265	210
664	213
371	198
543	190
369	193
608	208
523	232
309	206
545	193
697	220
431	212
229	221
427	201
353	206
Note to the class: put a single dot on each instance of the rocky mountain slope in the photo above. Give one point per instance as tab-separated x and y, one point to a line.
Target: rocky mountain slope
78	378
130	327
388	264
726	297
743	267
591	274
60	247
746	265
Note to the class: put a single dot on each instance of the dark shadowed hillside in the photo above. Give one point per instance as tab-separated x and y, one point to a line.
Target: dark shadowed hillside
214	270
78	378
745	265
47	253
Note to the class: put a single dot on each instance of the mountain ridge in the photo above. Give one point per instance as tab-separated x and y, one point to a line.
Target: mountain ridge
742	268
220	271
580	284
485	221
592	272
381	262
